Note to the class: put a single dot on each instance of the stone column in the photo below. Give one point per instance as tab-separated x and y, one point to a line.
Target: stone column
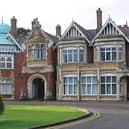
98	85
78	85
125	89
118	88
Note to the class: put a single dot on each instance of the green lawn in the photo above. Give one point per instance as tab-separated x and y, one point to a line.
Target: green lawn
22	117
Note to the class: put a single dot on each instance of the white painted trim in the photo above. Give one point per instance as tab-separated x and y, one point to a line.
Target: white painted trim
15	42
70	75
108	74
88	75
110	21
69	27
110	46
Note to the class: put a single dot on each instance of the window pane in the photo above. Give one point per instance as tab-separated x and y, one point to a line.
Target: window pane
88	79
108	56
81	56
75	55
88	89
70	89
108	79
114	79
94	89
102	56
102	88
83	89
94	80
108	89
102	79
113	88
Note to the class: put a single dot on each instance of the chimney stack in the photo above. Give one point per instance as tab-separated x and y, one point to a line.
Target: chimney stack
99	18
13	26
58	31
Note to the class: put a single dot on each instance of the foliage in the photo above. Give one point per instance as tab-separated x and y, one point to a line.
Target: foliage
1	106
17	116
22	31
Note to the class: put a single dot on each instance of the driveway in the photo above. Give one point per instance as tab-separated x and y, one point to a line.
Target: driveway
114	115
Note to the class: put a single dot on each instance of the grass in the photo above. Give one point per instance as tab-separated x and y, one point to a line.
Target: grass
23	117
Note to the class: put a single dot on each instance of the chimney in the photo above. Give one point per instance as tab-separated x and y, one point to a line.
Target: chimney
58	31
99	18
13	26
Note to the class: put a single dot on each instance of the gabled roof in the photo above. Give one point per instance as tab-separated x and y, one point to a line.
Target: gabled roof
12	39
110	21
124	29
85	34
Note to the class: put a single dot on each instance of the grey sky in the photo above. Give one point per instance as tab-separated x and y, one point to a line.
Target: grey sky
53	12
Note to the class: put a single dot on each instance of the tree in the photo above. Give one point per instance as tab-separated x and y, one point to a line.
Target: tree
22	31
1	106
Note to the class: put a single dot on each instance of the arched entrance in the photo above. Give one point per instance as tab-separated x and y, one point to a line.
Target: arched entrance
38	88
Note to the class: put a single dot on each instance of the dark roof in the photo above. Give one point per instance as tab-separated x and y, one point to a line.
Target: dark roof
20	39
51	37
124	29
88	33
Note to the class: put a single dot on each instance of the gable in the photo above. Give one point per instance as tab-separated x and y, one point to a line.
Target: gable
74	31
12	40
109	29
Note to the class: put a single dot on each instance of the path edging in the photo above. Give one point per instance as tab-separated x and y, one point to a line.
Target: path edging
64	122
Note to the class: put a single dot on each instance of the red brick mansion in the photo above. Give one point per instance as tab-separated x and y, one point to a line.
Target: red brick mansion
80	64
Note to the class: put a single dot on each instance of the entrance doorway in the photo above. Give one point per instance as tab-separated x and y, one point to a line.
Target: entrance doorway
38	88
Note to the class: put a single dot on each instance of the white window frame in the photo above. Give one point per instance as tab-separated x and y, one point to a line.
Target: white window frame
86	83
108	83
5	87
66	86
6	56
37	53
78	55
110	47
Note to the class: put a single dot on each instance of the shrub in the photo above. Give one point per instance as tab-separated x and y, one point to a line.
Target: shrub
1	106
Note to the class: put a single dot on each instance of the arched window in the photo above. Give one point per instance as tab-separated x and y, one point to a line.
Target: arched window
2	62
9	62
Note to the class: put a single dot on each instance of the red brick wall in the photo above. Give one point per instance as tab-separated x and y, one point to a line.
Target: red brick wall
50	55
20	79
6	73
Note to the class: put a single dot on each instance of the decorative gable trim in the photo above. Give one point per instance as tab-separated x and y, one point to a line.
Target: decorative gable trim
80	33
15	42
116	30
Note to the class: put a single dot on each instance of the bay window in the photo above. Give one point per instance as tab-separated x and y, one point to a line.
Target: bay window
73	55
37	52
110	54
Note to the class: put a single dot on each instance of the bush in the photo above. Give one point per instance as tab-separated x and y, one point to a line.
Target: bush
1	106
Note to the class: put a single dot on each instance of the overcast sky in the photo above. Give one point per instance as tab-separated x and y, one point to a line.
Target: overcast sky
53	12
